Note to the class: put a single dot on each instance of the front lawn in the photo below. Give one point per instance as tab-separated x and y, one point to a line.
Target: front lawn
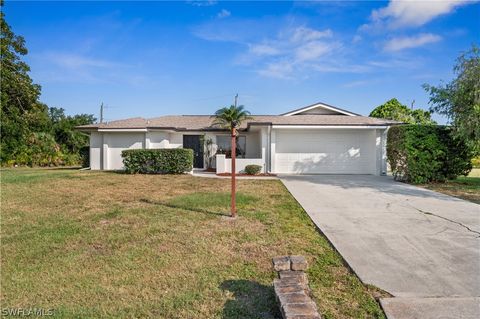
98	244
467	188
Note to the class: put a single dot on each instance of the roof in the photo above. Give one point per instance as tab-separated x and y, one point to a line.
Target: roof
204	122
322	105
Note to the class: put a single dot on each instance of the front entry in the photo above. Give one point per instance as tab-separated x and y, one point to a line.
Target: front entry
193	142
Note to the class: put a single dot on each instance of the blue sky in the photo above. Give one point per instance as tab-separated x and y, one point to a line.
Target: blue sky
191	57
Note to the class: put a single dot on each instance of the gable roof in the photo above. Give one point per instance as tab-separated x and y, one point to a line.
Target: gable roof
320	105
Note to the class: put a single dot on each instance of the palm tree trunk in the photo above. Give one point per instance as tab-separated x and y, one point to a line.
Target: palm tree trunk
233	208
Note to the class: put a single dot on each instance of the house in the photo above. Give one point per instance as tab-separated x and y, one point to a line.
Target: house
317	139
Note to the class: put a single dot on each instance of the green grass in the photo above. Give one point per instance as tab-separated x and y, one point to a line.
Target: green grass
465	187
106	245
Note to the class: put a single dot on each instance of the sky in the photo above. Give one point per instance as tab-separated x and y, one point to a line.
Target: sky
191	57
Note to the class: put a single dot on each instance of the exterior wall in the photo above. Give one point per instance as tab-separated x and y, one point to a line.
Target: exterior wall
157	140
175	140
262	147
224	165
115	143
96	147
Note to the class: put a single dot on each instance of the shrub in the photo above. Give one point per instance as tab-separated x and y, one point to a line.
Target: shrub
158	161
253	169
85	156
424	153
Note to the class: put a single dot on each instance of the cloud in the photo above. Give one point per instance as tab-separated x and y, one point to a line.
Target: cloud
406	14
279	70
75	61
304	34
314	50
264	49
202	3
223	14
296	51
293	50
77	68
402	43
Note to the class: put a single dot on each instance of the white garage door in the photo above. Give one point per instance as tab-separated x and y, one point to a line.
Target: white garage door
325	151
117	142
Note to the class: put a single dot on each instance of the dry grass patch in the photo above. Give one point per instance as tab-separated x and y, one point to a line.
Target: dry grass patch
98	244
467	188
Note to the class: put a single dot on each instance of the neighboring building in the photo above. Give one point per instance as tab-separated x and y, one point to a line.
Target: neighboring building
317	139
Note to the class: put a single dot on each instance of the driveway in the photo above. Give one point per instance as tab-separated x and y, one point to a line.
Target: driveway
420	246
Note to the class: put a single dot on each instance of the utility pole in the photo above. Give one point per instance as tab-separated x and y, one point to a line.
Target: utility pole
101	113
236	99
411	106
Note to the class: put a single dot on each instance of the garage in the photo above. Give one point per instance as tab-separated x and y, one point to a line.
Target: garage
325	151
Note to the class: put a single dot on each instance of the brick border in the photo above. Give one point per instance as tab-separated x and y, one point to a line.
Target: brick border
291	288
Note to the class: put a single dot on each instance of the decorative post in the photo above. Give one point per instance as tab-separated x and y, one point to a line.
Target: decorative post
233	209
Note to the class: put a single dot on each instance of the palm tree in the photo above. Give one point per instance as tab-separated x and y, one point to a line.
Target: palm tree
231	118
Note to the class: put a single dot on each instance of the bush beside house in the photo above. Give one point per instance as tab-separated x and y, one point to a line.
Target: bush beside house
425	153
253	169
158	161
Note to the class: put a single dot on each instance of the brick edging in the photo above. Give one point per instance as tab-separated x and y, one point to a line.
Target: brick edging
291	288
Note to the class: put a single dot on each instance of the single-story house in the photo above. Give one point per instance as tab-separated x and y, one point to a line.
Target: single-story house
317	139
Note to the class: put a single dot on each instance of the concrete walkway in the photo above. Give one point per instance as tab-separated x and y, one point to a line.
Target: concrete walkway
202	173
420	246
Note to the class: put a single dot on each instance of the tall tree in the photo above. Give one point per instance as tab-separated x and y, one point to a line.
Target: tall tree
459	100
394	110
63	129
231	118
21	111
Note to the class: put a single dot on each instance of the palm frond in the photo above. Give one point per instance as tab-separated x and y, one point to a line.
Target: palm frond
230	117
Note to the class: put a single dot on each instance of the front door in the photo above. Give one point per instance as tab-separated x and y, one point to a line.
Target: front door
193	142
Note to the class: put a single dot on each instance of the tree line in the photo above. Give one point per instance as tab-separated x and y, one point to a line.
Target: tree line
31	132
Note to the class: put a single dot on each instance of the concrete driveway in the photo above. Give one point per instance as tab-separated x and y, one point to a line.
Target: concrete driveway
420	246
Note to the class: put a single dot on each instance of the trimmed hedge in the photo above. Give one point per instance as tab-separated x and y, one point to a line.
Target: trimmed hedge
253	169
158	161
426	153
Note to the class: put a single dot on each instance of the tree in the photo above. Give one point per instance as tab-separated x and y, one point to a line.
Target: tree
394	110
21	111
63	129
231	118
31	133
459	100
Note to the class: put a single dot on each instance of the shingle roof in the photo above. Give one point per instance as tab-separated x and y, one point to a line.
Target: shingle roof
204	122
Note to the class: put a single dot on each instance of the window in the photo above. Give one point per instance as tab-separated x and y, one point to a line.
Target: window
224	143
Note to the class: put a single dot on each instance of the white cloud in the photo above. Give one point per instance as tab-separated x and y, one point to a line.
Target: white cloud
279	70
405	13
313	50
264	49
75	61
292	52
223	14
357	38
303	34
402	43
202	3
